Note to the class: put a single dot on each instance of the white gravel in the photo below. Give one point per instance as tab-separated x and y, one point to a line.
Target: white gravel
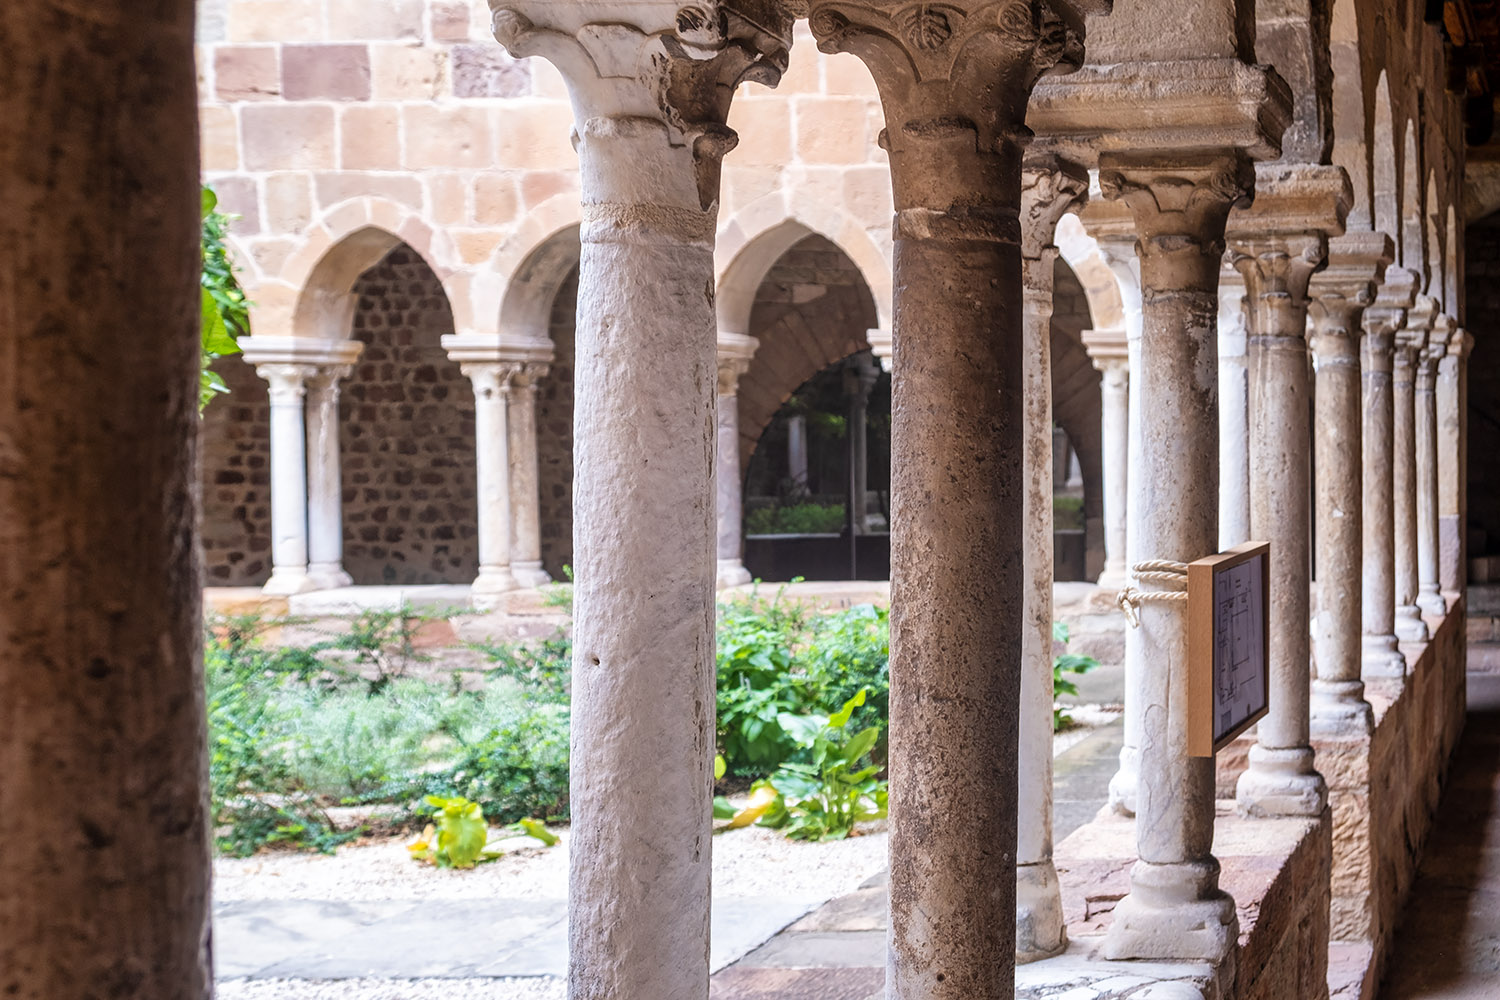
540	988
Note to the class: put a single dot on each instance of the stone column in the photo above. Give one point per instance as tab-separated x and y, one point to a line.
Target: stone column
525	481
1050	188
651	86
1175	908
859	380
1380	656
104	880
325	491
1429	597
1452	403
1340	295
1234	411
1410	344
1110	353
735	353
957	589
796	450
288	390
1277	244
492	383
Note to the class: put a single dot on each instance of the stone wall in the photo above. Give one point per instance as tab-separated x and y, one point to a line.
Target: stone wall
406	430
1482	248
554	435
235	476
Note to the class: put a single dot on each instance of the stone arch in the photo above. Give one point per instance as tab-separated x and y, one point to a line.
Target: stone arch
1412	244
753	240
1077	403
1351	137
508	290
1385	169
526	311
1099	283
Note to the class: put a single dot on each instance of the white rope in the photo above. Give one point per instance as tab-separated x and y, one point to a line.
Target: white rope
1172	577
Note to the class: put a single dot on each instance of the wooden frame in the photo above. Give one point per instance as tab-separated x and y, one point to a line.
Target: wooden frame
1209	729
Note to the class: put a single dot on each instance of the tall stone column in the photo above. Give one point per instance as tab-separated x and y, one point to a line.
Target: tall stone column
1340	295
954	80
492	387
735	353
1109	351
525	480
1277	244
1429	597
860	375
1380	656
104	880
288	391
1175	908
325	491
1050	188
1234	411
1410	343
651	86
1453	405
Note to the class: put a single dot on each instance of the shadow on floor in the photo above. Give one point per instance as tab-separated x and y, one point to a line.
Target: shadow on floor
1448	944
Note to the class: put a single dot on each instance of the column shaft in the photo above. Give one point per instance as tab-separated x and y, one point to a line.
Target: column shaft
104	880
1452	458
1115	403
1234	411
288	392
492	387
325	492
525	481
1409	624
1380	657
1429	598
735	352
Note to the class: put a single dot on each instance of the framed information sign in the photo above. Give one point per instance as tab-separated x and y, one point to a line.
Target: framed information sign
1229	641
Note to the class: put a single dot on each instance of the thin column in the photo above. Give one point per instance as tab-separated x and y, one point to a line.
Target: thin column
288	391
735	354
1452	403
1234	411
1175	908
492	386
325	492
1109	352
651	88
1380	656
864	372
525	482
1340	295
104	879
957	588
1049	189
1409	345
1429	597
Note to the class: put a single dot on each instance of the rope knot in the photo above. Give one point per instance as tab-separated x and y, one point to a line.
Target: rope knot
1170	577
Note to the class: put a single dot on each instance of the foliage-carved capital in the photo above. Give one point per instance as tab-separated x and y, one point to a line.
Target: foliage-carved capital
1179	205
1051	187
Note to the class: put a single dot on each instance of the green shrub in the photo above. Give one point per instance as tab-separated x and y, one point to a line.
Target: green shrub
1066	663
796	519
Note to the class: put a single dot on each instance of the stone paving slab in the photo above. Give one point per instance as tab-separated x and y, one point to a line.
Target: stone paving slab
250	937
745	983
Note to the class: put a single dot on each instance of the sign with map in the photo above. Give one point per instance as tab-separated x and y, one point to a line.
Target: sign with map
1229	677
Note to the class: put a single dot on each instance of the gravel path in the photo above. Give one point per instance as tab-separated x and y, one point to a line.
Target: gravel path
392	989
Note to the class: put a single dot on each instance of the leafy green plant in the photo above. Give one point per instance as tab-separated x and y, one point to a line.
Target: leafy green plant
560	595
457	837
1066	663
225	312
838	788
796	519
756	680
383	644
545	667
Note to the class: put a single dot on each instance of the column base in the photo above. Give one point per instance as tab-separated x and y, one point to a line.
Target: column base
1040	929
486	591
732	573
1409	624
1175	911
329	576
1380	657
1431	602
1339	709
530	574
1281	782
1114	578
287	580
1122	786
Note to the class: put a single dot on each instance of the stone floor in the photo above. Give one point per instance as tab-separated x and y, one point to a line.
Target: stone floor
1448	944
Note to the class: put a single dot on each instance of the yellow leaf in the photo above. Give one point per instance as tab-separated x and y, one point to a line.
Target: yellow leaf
764	798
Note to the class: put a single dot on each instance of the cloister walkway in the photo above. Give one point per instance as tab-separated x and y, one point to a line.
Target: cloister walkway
1448	944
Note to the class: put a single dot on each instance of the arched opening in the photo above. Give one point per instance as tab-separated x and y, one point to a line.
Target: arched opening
406	434
554	427
1077	415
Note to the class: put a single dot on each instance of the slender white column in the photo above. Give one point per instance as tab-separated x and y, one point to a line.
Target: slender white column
1429	596
325	492
1049	189
1110	353
1234	411
525	483
1409	346
735	353
796	450
288	478
1452	402
492	386
1380	656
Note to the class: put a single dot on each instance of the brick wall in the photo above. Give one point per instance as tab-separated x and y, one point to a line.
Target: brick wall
406	429
554	432
236	480
1482	248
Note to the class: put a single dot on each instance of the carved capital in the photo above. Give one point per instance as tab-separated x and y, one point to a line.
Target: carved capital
492	379
1051	187
288	382
1107	349
1461	344
1180	204
1277	271
954	79
734	355
1346	287
323	383
650	75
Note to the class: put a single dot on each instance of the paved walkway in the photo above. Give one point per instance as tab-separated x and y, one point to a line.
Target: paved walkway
1448	944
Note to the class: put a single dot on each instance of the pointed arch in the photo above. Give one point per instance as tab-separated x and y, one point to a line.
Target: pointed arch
1351	133
1385	171
1413	227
